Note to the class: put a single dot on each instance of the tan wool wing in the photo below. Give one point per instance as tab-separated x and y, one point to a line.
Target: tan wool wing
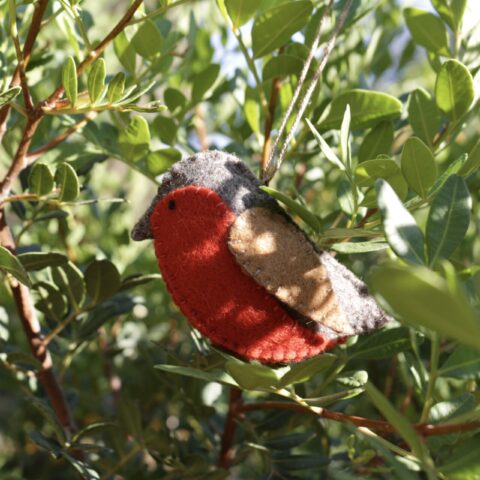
279	257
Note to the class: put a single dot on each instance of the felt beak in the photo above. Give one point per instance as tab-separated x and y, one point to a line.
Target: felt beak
142	229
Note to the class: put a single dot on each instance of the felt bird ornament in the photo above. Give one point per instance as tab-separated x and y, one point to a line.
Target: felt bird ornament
243	272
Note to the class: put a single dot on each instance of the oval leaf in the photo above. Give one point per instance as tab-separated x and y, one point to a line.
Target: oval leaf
377	142
421	297
8	95
418	166
38	260
274	27
148	40
423	115
401	230
427	30
454	89
96	80
40	180
69	77
134	141
102	279
448	219
367	108
67	180
9	263
116	87
241	11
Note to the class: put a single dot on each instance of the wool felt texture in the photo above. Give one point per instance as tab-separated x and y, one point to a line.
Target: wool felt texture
191	226
229	302
276	255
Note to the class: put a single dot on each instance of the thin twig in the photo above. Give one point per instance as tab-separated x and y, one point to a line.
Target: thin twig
31	326
97	51
424	429
234	406
32	156
32	34
301	80
272	104
274	164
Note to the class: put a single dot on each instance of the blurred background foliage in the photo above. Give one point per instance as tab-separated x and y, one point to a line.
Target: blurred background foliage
385	173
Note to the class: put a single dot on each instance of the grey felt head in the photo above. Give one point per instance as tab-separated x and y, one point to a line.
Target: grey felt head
219	171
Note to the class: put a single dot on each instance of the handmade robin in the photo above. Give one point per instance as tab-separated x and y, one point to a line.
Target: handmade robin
243	272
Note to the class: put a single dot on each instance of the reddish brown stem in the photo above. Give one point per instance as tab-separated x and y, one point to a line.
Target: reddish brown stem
377	425
272	105
32	34
226	453
31	326
32	156
97	51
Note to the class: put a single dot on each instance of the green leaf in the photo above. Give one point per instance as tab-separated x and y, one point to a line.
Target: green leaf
281	66
448	410
25	360
134	141
251	376
463	463
241	11
367	107
423	115
401	230
381	344
274	27
289	441
124	52
454	90
325	148
38	260
421	297
161	160
8	95
203	81
427	30
96	80
418	166
398	421
209	376
463	362
137	279
308	217
69	279
251	110
345	137
51	302
448	219
367	173
148	40
116	87
9	263
67	180
40	180
451	11
69	78
378	141
102	280
301	372
174	99
346	197
455	167
166	129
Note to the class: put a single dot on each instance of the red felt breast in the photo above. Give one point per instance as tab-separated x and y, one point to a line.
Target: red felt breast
190	228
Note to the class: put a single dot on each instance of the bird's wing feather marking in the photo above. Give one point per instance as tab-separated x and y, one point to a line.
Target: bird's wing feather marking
279	257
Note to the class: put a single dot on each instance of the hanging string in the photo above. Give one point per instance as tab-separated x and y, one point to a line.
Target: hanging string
274	163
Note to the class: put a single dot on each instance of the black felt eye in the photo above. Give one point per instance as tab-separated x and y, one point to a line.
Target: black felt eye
172	205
